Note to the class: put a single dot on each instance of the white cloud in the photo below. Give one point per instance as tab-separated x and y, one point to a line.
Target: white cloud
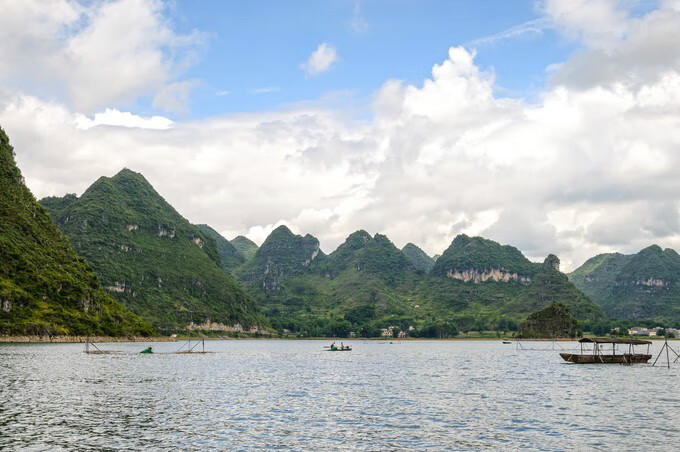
590	167
222	92
647	52
320	60
90	54
113	117
597	22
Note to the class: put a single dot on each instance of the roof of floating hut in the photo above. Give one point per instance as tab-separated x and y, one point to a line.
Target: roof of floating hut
614	340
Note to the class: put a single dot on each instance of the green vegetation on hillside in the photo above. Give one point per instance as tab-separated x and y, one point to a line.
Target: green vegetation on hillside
230	257
367	284
418	258
553	321
550	286
282	255
245	246
597	276
358	288
45	288
477	253
643	287
149	257
376	256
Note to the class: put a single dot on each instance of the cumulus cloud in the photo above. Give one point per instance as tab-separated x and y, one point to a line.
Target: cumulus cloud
113	117
599	23
320	60
590	167
91	54
646	52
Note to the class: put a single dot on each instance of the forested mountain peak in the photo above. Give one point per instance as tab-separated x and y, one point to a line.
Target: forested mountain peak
150	257
45	288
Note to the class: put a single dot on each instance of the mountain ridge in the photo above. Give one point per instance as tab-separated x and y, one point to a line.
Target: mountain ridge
644	286
45	288
150	257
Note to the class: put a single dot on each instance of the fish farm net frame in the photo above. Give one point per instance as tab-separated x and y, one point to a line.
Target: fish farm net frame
667	348
187	348
553	345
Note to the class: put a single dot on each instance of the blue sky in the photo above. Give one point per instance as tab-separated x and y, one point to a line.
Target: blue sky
261	44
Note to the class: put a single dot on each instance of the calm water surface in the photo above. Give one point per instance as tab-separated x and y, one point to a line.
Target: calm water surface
293	395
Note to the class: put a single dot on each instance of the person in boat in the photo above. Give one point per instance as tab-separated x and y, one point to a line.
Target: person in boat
333	347
147	350
342	346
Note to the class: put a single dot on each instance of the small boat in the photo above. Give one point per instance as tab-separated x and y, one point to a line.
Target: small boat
335	348
146	351
507	342
601	354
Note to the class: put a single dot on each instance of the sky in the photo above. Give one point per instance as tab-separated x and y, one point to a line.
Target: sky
550	125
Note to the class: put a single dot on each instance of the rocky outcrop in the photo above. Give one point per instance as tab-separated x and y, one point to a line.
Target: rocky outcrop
648	282
215	326
552	261
163	232
477	277
312	257
116	287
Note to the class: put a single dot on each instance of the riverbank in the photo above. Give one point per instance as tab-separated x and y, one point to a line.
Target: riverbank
102	339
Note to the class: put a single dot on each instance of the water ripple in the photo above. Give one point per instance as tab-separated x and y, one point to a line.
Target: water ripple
294	396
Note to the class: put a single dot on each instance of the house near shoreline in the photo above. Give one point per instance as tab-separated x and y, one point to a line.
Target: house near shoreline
638	331
389	332
652	332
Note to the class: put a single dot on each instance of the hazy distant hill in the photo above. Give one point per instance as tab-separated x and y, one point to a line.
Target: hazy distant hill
148	256
642	286
597	276
230	257
418	258
549	286
245	246
45	288
283	254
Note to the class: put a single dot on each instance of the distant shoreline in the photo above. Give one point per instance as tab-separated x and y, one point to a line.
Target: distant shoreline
104	339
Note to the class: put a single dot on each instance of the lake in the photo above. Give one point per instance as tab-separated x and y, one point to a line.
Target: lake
268	394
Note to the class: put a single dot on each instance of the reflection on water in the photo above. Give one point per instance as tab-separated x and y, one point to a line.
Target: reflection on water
294	395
